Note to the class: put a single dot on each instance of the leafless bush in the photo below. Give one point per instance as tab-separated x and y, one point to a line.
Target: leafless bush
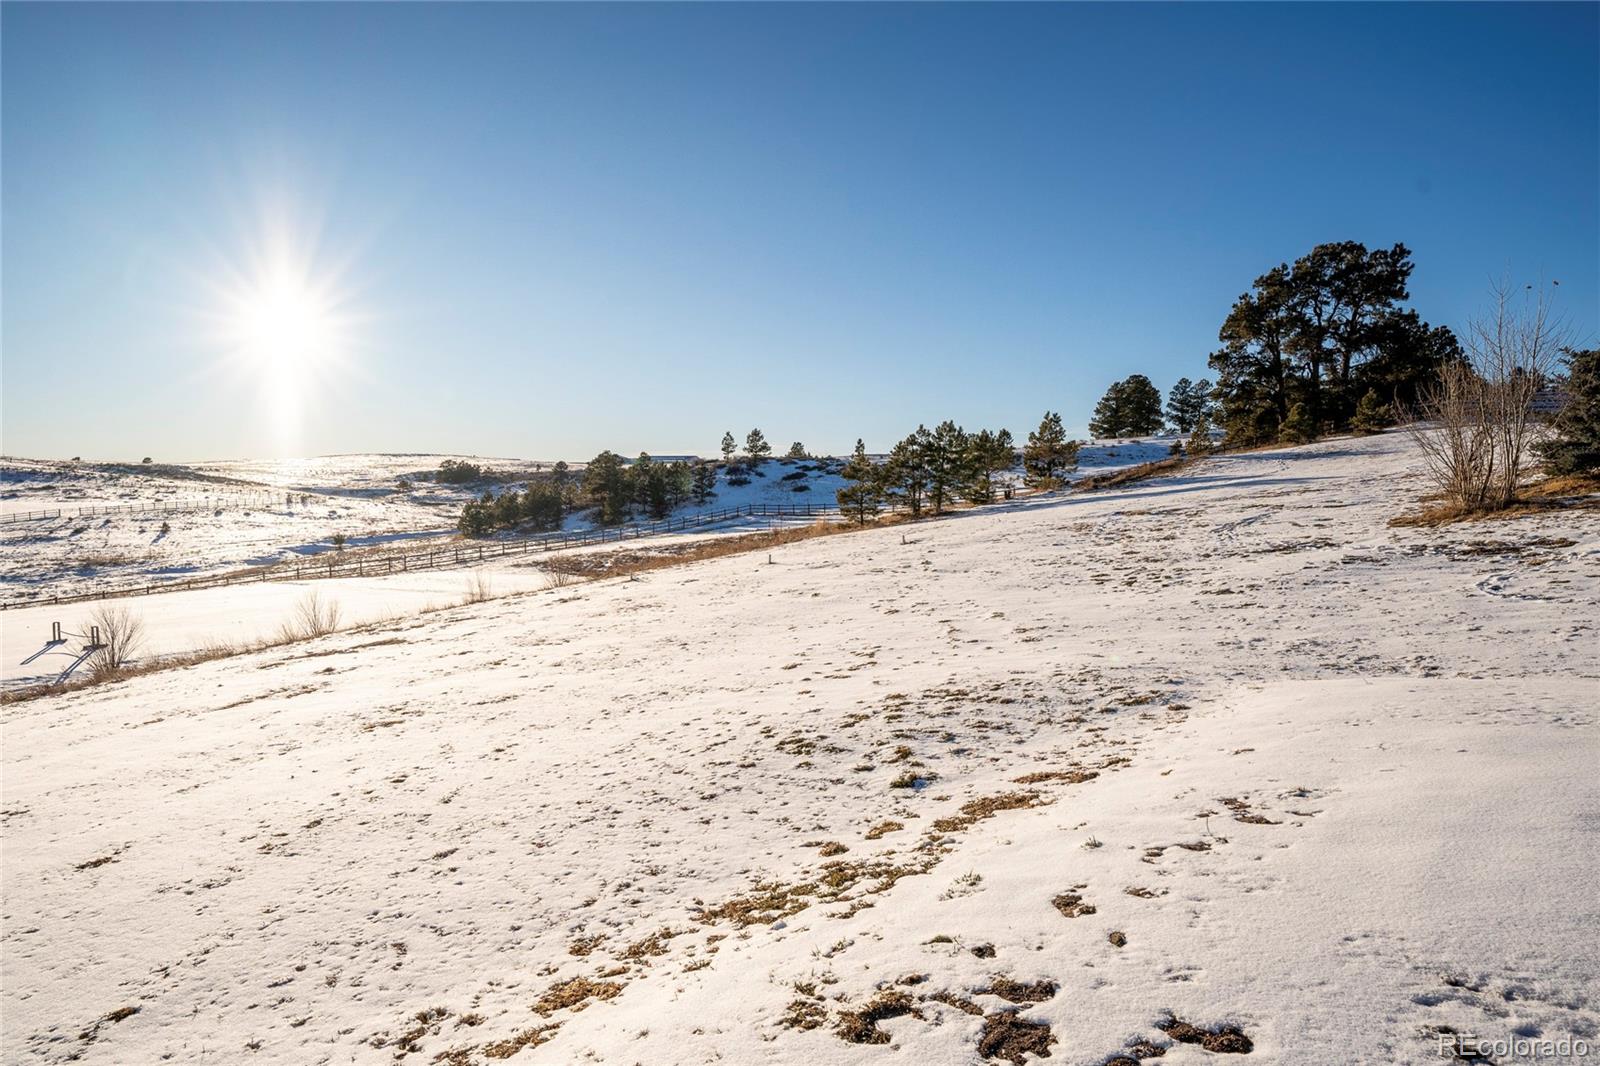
313	616
559	579
478	587
1475	422
121	636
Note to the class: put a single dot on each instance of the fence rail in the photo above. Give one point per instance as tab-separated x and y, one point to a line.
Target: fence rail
204	503
377	563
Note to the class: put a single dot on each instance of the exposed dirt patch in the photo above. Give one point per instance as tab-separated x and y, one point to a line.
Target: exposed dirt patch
861	1026
1019	992
1006	1036
1224	1040
1071	904
1118	938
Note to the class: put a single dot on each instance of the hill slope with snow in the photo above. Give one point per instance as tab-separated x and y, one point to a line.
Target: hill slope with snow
1216	760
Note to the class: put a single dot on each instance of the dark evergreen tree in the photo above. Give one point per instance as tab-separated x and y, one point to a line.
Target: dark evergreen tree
906	472
729	446
507	510
946	456
1341	294
1187	403
862	498
1574	446
1298	428
756	447
1130	408
680	484
606	487
988	454
1048	451
705	482
641	473
796	451
1372	414
1407	354
542	505
1199	442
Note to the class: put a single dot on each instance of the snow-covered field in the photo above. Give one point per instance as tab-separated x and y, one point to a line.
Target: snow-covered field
170	523
1222	748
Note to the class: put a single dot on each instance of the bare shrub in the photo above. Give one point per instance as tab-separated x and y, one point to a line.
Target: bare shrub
559	579
1474	424
313	616
121	636
478	587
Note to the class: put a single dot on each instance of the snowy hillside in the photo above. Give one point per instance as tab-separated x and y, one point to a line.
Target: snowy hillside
1215	763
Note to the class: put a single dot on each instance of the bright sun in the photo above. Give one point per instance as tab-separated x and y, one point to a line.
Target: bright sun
285	325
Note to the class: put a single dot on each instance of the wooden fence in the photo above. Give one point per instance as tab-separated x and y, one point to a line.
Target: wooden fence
98	510
372	563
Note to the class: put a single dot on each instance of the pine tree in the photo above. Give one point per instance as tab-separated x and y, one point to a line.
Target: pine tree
1298	428
906	472
705	482
1199	442
946	456
796	451
863	497
605	487
1049	451
756	447
640	475
987	454
680	483
1187	403
1372	414
729	446
1130	408
1575	444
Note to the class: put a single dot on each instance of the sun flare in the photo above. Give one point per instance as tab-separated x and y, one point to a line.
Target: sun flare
283	324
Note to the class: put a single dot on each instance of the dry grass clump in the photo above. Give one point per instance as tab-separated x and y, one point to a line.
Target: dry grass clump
1020	992
627	562
504	1049
883	828
803	1014
860	1026
479	587
1570	492
1133	473
1071	777
575	995
975	811
584	945
652	945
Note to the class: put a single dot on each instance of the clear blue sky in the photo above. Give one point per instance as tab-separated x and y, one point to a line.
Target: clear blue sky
551	229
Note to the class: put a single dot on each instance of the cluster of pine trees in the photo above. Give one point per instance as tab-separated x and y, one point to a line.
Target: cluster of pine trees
614	487
1324	344
930	469
541	506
